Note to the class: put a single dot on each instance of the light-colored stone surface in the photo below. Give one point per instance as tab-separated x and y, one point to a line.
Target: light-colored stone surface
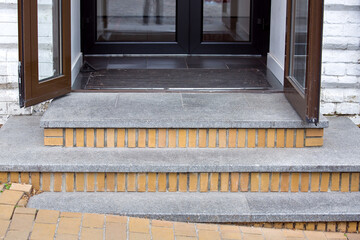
340	153
178	110
208	207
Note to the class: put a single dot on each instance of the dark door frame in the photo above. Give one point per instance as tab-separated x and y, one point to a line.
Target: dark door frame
31	90
259	32
188	33
306	101
90	45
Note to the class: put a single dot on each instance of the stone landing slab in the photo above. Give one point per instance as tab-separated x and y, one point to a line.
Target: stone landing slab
173	110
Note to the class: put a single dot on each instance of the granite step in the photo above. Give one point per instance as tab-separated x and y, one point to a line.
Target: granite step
21	149
210	207
178	120
332	168
174	110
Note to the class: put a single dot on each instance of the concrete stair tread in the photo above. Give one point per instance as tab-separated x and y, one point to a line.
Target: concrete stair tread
175	110
210	207
21	149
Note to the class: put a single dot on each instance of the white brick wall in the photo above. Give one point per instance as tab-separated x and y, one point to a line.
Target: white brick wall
341	59
9	61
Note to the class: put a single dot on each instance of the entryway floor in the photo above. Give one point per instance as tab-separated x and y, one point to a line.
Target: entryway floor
173	110
178	73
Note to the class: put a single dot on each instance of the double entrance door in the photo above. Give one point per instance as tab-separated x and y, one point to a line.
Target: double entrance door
175	26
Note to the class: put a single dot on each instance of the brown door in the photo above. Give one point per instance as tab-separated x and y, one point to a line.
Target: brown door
303	57
44	50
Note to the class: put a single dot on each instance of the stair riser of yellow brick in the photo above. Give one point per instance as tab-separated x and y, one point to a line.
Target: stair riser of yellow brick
184	138
345	227
187	182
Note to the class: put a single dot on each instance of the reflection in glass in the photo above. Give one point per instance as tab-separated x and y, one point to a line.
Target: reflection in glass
49	39
136	20
226	20
299	41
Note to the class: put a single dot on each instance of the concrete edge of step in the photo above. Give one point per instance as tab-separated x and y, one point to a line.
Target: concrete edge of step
210	207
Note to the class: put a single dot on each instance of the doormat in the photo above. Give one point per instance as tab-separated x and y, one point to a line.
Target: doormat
113	79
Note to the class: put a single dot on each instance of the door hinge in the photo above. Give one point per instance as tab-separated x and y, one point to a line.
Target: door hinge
20	72
21	87
313	120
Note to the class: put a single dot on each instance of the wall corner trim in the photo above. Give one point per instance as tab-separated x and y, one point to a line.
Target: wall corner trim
275	67
75	67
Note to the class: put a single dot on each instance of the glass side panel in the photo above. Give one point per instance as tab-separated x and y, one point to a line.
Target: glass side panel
49	39
226	20
136	20
299	35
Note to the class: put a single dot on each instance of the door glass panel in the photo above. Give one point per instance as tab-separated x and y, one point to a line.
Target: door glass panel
226	20
49	39
136	20
299	35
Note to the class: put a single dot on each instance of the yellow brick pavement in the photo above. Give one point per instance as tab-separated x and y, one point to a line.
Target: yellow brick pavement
99	226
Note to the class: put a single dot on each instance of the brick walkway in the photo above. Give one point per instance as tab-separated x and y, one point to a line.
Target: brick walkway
18	222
